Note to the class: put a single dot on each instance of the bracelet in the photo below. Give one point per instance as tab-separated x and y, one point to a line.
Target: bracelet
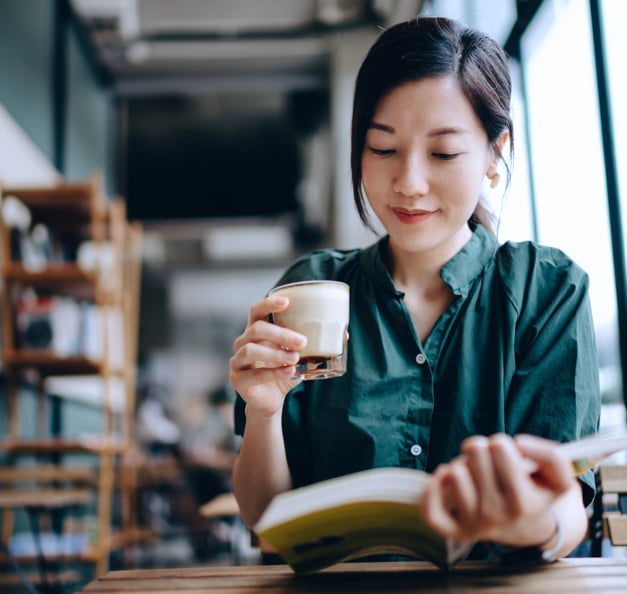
532	554
552	554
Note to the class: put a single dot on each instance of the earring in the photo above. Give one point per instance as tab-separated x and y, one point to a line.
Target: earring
494	180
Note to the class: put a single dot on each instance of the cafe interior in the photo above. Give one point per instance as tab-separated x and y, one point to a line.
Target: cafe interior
161	163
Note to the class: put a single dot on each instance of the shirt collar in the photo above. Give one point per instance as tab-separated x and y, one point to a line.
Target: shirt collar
470	261
458	272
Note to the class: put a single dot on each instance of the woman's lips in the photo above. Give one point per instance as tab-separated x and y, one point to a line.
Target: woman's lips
412	216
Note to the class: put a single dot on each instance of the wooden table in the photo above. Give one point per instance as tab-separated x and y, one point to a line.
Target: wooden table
570	576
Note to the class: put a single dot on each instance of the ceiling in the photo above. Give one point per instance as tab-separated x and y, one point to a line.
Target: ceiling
150	46
194	51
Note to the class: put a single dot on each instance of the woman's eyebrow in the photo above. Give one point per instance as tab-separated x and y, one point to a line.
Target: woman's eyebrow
383	127
447	130
432	133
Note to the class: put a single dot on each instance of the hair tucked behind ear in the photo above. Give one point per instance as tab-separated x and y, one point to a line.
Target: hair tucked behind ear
430	47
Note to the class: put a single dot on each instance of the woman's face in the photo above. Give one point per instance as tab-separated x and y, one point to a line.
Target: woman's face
423	165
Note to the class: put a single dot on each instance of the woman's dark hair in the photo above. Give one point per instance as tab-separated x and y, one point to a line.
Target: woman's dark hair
433	47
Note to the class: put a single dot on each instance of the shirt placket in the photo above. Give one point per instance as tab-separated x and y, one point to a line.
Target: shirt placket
415	442
422	392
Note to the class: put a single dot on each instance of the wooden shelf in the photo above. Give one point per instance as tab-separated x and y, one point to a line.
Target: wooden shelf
64	578
64	279
91	445
79	200
59	195
73	213
76	209
47	363
44	498
61	278
91	555
118	540
20	474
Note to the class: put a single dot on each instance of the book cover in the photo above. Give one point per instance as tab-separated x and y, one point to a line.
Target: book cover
377	512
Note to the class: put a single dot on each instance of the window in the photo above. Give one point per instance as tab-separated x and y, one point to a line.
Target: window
614	14
514	208
567	161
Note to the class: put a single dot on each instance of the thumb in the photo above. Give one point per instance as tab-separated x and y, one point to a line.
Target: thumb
551	468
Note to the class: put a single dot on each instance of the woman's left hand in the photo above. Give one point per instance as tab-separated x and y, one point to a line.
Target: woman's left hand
499	489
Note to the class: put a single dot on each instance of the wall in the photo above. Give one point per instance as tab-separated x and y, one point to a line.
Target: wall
26	95
26	67
89	121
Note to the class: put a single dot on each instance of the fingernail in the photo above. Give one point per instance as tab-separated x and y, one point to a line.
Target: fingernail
525	441
475	442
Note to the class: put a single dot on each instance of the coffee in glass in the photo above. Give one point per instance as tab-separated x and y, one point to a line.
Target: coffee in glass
319	310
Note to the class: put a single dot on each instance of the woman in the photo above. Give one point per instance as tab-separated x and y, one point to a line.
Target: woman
457	344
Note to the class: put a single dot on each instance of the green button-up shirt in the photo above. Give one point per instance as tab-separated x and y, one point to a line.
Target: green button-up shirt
515	352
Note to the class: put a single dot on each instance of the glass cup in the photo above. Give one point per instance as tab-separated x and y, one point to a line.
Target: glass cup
318	309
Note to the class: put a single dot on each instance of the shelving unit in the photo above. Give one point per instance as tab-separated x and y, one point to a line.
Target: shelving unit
94	363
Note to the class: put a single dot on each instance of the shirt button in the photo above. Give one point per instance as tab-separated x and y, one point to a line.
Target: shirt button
420	358
416	450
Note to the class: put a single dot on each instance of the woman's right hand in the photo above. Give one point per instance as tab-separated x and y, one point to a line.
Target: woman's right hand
265	357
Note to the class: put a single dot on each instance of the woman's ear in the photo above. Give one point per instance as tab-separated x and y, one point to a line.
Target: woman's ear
497	153
494	180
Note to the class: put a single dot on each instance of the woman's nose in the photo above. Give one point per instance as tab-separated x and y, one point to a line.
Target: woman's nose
410	179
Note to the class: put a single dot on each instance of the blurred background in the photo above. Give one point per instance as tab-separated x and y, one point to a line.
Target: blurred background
224	125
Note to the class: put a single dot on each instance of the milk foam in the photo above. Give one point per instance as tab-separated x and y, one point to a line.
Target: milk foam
319	310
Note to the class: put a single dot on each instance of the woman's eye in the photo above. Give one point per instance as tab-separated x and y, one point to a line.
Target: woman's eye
445	156
381	152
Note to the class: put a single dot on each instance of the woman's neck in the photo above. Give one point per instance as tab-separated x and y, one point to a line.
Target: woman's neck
419	272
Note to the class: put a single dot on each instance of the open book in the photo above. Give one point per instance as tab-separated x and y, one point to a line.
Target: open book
377	511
